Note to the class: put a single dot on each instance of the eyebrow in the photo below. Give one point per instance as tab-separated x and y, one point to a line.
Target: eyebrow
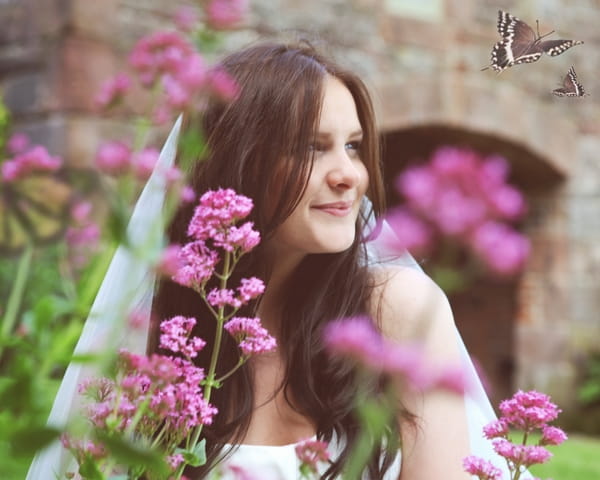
356	133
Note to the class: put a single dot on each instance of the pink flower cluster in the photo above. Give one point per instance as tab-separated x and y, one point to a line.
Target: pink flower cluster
26	161
526	412
171	59
225	14
251	336
166	389
83	235
112	91
311	452
465	197
356	338
175	336
214	225
116	158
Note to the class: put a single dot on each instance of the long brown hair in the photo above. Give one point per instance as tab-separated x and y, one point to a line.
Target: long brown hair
259	145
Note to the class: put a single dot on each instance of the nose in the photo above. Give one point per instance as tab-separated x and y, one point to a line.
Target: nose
345	172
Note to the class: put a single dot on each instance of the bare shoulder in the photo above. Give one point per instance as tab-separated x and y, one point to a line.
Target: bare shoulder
408	304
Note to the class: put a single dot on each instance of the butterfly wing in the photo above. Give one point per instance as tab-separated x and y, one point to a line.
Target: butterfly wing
518	44
571	87
33	209
556	47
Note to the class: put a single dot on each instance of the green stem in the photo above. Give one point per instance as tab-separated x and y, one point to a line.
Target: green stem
210	378
241	361
16	294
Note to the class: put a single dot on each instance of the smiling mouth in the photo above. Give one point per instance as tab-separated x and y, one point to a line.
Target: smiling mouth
337	209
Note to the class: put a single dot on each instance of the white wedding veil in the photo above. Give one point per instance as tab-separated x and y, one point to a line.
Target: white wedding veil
129	282
127	285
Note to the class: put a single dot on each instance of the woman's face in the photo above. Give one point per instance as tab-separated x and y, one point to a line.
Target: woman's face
324	221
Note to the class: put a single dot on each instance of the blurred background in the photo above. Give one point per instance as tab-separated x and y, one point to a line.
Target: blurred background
422	60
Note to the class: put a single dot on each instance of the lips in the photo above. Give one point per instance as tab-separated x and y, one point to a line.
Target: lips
337	209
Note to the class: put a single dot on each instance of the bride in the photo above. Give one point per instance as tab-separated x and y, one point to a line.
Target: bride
301	140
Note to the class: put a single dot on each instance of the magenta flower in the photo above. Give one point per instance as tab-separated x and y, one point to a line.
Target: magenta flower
17	143
250	288
36	159
529	410
552	435
503	249
112	91
224	14
464	198
221	84
114	158
311	453
186	18
251	336
143	162
175	336
526	455
221	297
198	264
483	469
495	429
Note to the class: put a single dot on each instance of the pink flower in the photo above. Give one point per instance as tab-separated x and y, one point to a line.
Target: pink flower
552	435
17	143
143	162
483	469
36	159
175	334
198	264
409	231
497	428
526	455
250	288
529	410
187	195
221	297
112	91
224	14
502	249
311	452
114	158
355	338
222	85
186	18
251	336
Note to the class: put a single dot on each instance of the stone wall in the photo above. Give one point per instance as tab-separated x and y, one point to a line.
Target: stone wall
423	61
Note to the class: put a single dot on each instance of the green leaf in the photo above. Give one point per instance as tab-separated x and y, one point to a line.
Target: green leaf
131	453
89	470
29	440
196	456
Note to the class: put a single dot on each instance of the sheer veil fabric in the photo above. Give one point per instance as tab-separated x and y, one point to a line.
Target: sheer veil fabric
129	283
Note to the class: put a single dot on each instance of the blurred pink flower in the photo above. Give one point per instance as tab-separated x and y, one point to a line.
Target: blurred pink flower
311	452
112	91
224	14
170	261
143	162
409	232
222	85
186	18
114	158
36	159
552	435
503	249
17	143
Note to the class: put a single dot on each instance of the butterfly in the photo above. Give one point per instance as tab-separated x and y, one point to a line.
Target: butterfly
520	44
33	210
571	87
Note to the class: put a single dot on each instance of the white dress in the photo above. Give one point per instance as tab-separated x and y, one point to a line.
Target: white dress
266	462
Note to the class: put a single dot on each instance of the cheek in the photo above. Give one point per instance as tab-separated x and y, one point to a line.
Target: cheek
364	182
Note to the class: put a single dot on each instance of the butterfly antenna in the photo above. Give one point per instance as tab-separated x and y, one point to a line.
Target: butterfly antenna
537	24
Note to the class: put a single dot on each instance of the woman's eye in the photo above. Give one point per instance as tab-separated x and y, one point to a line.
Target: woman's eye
317	147
354	146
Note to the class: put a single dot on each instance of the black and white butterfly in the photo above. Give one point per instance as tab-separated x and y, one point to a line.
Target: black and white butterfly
520	44
571	87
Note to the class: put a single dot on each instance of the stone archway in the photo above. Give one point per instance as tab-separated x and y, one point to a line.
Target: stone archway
489	312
